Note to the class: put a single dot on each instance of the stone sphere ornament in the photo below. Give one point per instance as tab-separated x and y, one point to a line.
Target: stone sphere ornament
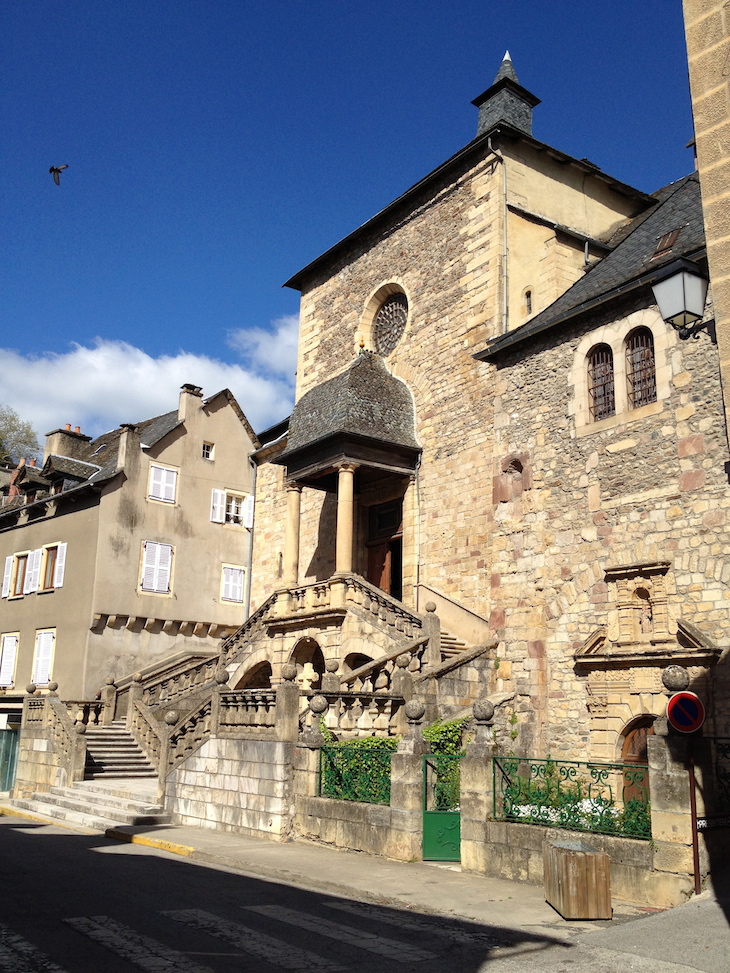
483	710
415	710
221	676
430	606
31	688
403	660
675	678
52	687
171	717
332	665
289	672
318	705
109	680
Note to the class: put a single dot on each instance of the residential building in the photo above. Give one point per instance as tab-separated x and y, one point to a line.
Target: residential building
126	549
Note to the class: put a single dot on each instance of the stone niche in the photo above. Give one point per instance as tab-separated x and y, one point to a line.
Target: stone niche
621	663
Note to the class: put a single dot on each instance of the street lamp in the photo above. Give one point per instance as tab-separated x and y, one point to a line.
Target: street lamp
680	290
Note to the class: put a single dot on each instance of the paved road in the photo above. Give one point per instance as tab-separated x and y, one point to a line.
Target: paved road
77	902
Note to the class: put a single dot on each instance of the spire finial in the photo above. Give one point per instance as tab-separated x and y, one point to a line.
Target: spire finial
506	69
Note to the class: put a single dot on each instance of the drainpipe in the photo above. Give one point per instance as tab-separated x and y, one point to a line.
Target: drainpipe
505	292
249	566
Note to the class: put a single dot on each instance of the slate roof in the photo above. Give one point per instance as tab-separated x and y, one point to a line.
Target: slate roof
365	400
629	265
72	467
150	431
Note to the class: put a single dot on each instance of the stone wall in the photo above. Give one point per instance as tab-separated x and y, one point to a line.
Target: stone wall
235	785
631	490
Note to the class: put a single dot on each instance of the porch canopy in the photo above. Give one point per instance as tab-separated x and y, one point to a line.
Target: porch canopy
361	420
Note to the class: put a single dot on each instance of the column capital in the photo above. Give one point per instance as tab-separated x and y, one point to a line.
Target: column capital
293	487
347	467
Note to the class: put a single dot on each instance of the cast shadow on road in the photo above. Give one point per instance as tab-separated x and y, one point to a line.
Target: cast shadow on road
56	877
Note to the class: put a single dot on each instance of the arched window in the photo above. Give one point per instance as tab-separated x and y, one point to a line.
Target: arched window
640	368
528	302
601	393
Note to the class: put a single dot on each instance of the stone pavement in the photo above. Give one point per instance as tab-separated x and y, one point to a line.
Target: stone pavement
695	936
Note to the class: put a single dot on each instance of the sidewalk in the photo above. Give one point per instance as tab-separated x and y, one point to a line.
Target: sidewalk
692	937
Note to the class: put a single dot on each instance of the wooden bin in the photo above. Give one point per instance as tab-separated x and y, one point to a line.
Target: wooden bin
577	880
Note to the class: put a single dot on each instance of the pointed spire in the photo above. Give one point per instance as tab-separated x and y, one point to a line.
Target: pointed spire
506	101
506	69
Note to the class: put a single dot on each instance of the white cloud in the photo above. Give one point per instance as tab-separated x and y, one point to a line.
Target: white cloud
272	352
110	382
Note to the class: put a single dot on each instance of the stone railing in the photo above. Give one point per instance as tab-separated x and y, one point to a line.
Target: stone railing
148	732
366	596
171	688
250	708
64	750
233	645
382	674
352	715
90	712
188	734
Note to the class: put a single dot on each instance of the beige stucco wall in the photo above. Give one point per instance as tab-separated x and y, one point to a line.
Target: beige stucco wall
67	609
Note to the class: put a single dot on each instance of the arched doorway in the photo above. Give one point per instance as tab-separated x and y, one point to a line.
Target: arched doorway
307	657
634	751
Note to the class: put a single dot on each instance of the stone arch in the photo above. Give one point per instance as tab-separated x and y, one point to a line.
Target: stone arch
258	677
372	306
308	658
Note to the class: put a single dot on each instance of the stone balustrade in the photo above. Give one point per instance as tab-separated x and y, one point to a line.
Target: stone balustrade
249	708
87	711
147	731
352	715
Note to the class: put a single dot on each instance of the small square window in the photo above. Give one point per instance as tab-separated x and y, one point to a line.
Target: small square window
208	451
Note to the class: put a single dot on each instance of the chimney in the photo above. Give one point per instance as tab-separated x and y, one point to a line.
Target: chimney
506	101
188	396
126	440
66	442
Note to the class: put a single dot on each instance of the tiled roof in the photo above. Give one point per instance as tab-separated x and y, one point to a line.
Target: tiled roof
73	467
150	431
631	263
365	400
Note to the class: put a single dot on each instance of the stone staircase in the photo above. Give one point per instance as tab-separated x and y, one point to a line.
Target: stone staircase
111	752
451	646
98	806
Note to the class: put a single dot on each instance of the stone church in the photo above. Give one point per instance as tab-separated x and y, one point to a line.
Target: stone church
504	469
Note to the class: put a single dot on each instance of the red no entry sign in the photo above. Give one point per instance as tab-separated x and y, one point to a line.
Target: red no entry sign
686	712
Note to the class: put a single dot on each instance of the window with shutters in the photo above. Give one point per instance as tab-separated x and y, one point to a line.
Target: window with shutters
39	570
156	567
45	641
8	655
163	483
232	583
236	509
640	368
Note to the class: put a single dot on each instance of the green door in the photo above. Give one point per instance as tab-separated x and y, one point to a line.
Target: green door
8	758
441	808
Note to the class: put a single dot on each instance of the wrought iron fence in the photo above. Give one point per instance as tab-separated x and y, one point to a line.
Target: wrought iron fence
353	772
603	798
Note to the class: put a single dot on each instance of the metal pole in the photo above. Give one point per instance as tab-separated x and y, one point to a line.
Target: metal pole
693	815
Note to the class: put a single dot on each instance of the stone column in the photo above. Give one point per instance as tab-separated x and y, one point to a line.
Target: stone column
345	512
477	792
291	543
406	789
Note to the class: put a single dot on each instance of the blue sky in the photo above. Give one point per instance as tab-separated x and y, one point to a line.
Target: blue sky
215	147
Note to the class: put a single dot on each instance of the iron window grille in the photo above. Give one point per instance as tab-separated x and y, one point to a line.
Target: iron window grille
640	368
601	391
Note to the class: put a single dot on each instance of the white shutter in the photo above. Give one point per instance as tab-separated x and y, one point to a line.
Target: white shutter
7	573
169	480
218	507
248	511
164	567
162	483
8	652
156	473
43	658
156	567
32	571
60	568
232	584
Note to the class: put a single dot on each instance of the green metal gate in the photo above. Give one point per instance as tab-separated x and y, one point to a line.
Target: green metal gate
8	758
441	808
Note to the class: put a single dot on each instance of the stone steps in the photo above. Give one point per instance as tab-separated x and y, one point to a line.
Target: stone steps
98	808
111	752
451	646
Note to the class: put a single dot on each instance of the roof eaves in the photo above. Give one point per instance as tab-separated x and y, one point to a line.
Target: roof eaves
501	343
474	147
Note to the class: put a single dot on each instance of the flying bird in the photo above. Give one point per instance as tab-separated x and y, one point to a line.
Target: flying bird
56	173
